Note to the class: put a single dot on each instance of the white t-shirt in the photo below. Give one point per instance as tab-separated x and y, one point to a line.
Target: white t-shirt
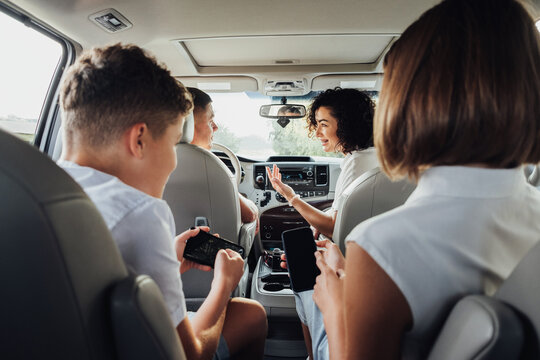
462	231
143	228
353	165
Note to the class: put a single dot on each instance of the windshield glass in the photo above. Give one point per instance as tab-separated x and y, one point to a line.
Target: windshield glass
249	135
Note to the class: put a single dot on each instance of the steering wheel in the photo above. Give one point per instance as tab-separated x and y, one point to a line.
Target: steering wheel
234	160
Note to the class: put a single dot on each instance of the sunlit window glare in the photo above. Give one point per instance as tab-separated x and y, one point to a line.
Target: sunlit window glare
538	25
27	65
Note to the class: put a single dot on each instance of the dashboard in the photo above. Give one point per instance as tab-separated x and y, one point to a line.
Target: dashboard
313	180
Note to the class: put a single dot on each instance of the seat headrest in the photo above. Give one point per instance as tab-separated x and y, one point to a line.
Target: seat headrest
521	290
188	130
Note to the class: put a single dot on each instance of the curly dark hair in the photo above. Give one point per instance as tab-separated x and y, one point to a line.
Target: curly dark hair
353	110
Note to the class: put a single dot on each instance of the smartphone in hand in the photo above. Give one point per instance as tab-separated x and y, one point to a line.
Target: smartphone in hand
300	248
203	248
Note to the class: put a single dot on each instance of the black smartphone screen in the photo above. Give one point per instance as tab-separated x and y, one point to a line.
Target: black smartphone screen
299	247
203	248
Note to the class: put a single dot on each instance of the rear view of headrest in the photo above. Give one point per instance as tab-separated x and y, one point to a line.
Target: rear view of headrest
188	129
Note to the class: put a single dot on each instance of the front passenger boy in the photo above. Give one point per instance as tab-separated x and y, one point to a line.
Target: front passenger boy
122	117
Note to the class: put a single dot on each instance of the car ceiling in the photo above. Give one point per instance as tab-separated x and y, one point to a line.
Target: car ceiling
277	39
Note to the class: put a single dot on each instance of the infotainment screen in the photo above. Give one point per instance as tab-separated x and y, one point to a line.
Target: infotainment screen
294	176
306	179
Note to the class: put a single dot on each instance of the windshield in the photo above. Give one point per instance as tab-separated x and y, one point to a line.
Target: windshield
252	136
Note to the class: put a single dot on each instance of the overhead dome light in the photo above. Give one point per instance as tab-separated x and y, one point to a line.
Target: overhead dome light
110	20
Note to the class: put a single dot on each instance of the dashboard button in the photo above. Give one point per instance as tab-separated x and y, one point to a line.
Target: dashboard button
319	193
311	193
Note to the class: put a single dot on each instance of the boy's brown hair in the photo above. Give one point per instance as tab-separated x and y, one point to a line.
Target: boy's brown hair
461	86
109	89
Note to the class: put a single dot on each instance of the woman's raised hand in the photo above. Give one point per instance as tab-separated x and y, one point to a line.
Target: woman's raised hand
275	178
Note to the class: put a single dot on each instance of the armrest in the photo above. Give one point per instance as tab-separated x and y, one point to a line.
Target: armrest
479	327
247	235
141	323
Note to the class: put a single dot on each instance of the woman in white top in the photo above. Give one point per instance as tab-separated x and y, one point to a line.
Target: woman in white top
342	119
459	110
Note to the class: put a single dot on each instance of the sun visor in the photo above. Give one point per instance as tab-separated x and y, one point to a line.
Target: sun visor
215	84
357	81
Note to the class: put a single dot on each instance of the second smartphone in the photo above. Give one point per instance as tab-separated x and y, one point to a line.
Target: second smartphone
299	246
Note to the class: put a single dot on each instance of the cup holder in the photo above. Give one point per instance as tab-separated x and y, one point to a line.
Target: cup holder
274	286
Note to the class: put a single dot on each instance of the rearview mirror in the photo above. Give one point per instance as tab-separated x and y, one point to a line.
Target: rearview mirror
276	111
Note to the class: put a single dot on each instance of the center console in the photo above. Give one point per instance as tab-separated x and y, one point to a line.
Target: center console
270	284
272	289
310	180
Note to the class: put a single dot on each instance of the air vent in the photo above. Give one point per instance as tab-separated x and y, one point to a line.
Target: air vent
321	175
110	20
289	158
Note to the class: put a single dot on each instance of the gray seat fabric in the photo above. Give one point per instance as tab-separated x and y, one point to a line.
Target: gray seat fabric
60	267
371	194
513	328
201	185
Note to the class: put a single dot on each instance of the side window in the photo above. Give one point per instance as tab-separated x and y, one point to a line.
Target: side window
27	66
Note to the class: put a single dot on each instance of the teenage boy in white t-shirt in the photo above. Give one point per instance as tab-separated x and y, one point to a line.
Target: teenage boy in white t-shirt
122	117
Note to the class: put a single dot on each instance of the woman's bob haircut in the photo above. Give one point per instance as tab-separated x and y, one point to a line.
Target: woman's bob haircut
461	87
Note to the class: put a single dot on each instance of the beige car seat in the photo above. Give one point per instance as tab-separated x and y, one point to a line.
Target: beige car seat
203	186
373	193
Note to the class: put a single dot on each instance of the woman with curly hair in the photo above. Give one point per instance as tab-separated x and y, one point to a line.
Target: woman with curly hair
342	119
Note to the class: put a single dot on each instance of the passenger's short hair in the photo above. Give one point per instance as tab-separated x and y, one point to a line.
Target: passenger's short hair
200	98
353	110
461	86
111	88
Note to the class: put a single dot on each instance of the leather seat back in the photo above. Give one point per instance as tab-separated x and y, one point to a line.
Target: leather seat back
510	320
373	193
60	266
201	185
479	327
521	291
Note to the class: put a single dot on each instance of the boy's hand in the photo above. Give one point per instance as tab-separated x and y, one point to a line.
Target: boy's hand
228	269
180	245
275	178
